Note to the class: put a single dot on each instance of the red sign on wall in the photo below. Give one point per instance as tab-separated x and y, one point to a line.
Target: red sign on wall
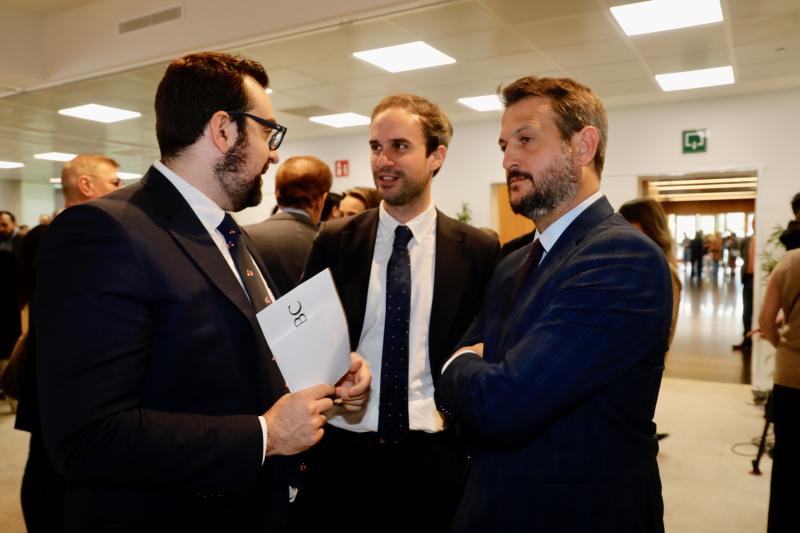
342	168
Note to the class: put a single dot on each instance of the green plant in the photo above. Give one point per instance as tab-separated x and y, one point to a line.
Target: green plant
465	215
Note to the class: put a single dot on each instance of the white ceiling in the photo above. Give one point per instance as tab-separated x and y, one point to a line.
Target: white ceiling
42	7
493	41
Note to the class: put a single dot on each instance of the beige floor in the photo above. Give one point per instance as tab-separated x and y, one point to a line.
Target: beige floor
707	487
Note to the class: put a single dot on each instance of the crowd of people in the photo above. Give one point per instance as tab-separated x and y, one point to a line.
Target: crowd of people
488	389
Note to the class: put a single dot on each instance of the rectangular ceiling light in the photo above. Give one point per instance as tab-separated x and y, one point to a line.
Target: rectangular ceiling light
99	113
341	120
11	164
55	156
128	175
694	79
662	15
403	57
489	102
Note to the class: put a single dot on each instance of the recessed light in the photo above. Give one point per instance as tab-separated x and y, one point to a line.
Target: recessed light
99	113
403	57
269	91
11	164
694	79
489	102
128	175
341	120
55	180
662	15
55	156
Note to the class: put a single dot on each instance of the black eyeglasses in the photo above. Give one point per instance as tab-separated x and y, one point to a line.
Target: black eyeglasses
278	131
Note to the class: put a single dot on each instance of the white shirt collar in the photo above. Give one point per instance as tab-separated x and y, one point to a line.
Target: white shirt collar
550	236
422	226
209	213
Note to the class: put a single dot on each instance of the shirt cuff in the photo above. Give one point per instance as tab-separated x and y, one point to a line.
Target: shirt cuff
453	357
263	422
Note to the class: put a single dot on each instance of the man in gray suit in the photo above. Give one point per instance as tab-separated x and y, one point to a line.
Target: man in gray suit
284	239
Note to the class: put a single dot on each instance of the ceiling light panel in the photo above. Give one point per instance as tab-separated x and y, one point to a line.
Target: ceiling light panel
695	79
489	102
405	57
128	175
55	156
11	164
341	120
663	15
99	113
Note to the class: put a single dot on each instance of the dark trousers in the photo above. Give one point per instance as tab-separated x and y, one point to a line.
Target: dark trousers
784	493
747	307
411	486
42	492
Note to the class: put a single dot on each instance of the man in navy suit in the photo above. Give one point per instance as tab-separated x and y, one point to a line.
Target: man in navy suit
557	380
160	401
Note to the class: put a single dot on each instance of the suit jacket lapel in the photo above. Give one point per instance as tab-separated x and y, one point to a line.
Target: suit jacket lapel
449	280
357	242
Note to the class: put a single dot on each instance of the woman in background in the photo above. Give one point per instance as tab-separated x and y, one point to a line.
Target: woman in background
648	216
358	200
783	294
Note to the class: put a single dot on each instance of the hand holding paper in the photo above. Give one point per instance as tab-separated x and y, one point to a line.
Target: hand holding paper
352	389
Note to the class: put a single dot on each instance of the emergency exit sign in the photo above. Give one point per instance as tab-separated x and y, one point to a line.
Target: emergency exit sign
695	141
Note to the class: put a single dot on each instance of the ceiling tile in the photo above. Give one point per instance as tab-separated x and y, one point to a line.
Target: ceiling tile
774	69
684	41
742	9
613	51
516	11
572	30
699	60
611	72
284	79
338	69
482	45
446	21
379	85
514	65
767	52
766	29
444	75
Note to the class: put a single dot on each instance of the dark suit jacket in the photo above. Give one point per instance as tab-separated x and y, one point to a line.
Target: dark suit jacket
283	242
561	407
465	258
152	369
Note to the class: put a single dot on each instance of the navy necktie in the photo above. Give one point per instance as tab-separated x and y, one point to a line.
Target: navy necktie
393	407
256	290
531	263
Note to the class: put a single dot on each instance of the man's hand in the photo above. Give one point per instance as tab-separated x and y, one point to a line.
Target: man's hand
352	389
294	422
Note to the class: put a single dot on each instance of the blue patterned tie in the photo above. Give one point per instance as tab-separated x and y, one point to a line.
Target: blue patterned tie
248	271
393	409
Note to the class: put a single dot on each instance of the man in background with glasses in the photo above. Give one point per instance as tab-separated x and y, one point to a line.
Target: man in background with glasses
160	401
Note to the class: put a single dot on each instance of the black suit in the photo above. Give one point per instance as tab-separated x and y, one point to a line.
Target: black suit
561	405
421	476
152	371
283	242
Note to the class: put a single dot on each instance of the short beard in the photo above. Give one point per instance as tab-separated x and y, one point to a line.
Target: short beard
242	191
407	193
552	186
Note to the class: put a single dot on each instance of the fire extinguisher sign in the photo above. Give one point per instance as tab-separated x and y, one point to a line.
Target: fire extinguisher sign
342	167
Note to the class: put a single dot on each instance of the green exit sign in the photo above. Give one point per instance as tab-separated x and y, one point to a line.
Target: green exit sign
695	141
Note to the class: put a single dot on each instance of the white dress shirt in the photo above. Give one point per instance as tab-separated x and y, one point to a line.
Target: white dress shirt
548	238
422	413
210	216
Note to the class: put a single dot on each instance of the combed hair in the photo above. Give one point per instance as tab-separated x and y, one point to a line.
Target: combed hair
301	181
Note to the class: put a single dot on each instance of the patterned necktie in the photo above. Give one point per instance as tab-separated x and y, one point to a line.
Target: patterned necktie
531	262
256	290
393	407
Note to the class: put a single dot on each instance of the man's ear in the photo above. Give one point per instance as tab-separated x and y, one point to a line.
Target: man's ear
584	145
436	159
222	131
85	185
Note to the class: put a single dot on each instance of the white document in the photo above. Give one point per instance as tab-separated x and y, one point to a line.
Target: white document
306	329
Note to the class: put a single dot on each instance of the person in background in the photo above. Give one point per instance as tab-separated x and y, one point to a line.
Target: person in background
697	250
748	253
783	295
791	235
357	200
284	239
331	208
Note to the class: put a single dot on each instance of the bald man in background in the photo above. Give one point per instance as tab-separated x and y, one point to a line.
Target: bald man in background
84	178
284	239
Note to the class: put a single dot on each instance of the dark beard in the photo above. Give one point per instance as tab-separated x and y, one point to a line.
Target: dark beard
242	191
556	184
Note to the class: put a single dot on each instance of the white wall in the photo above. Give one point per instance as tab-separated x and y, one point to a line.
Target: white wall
37	199
746	132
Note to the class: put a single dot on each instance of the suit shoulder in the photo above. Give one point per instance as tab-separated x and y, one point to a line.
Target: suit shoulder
474	237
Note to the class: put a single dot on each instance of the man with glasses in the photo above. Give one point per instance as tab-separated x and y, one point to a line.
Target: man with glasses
160	401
